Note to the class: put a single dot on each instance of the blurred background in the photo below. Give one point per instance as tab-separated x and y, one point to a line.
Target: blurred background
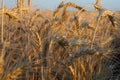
52	4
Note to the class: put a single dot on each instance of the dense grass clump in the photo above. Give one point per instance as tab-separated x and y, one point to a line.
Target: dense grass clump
61	45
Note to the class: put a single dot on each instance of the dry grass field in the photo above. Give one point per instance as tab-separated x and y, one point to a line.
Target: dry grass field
60	44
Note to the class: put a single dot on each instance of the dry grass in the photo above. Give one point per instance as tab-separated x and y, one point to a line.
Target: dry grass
79	45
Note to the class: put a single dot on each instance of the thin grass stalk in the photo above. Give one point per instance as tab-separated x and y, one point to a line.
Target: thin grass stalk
2	30
30	3
2	33
96	29
74	6
98	2
18	3
21	8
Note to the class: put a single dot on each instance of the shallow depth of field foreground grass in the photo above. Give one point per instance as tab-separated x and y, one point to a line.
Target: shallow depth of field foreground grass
60	44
